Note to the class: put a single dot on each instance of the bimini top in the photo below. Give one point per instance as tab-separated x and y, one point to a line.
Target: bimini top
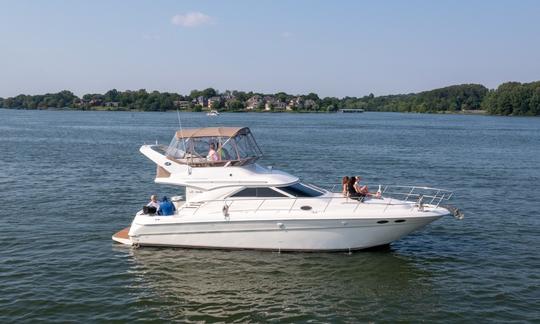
214	146
210	131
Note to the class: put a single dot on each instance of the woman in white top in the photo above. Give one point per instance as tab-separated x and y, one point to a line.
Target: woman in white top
362	190
212	154
153	202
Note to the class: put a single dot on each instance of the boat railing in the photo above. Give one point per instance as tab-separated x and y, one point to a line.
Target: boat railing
427	195
414	196
160	148
422	195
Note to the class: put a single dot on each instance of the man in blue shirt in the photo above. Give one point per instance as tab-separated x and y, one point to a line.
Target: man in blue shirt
166	207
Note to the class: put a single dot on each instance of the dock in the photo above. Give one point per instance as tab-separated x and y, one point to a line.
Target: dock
351	110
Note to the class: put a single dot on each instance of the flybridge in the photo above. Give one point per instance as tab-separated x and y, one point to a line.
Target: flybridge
213	147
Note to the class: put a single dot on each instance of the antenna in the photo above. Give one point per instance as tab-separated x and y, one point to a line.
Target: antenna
181	132
179	121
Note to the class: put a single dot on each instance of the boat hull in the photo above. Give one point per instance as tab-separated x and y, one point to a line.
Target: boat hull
279	235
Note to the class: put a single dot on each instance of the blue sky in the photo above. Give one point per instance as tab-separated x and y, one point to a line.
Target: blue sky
333	48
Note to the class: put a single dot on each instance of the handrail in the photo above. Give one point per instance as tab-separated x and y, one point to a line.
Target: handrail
410	195
413	193
436	195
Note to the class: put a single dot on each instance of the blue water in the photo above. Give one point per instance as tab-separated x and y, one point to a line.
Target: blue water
69	180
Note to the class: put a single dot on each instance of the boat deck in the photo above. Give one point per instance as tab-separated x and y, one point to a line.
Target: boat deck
122	236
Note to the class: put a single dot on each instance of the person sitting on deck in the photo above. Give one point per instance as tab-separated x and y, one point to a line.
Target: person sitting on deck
362	190
344	183
152	206
212	154
166	207
351	188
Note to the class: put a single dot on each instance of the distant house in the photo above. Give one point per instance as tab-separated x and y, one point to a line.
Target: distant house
275	105
202	101
182	104
254	102
214	102
95	102
269	103
280	106
112	104
296	103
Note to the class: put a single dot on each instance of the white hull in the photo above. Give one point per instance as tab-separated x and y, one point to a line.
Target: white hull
279	235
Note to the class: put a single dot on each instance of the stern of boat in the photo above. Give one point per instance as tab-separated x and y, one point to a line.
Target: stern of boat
122	236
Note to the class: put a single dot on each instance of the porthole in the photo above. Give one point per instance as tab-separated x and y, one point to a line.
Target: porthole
306	207
399	221
382	222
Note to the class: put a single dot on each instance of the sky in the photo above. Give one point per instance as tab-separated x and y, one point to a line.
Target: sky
332	48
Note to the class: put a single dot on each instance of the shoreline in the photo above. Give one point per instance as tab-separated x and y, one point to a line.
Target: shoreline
464	113
466	99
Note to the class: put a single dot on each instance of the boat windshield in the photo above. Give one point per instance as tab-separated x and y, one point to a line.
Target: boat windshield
215	146
301	190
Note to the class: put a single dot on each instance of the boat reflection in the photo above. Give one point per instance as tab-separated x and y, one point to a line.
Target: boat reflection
209	285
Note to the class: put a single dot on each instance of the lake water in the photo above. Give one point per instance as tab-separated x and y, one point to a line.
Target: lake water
69	180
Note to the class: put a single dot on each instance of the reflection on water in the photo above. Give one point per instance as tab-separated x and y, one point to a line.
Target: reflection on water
248	285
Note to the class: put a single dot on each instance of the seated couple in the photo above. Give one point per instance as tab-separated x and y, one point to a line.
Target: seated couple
353	189
165	207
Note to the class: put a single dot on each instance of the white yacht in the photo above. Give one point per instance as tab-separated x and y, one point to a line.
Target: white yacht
212	113
231	202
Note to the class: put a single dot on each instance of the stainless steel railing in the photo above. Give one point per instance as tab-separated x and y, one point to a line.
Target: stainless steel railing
431	196
428	195
414	196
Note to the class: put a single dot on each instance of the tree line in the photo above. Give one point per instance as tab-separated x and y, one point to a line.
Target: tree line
511	98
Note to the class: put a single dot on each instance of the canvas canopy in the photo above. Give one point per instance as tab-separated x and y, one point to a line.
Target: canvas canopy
214	146
210	131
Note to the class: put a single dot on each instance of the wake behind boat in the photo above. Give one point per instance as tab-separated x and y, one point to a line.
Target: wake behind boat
231	202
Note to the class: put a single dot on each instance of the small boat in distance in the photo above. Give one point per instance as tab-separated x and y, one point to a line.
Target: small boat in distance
212	113
351	110
231	202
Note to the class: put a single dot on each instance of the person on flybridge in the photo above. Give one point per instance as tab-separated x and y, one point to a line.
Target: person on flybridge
212	154
223	154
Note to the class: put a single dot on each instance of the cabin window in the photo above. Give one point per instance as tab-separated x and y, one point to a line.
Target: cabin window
301	190
258	192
